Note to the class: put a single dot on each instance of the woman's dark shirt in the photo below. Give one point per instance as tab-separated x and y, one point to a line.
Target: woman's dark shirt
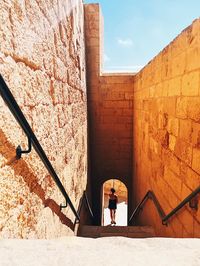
113	203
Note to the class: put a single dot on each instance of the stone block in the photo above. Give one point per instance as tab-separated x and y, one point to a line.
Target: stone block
185	191
191	178
196	229
129	96
127	112
171	161
182	107
174	87
172	142
193	58
194	108
93	41
190	84
173	126
196	160
185	131
177	227
117	79
169	105
158	90
166	66
179	64
91	8
163	137
118	104
188	222
196	135
170	197
183	150
153	145
152	91
165	88
174	181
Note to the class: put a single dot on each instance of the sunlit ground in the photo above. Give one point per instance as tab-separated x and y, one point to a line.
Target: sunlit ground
121	215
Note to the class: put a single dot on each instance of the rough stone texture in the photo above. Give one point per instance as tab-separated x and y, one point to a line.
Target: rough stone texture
110	103
167	133
42	59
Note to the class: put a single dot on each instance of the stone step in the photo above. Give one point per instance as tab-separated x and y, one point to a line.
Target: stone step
126	231
131	235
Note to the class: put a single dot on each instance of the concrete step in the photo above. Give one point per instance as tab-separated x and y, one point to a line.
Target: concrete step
126	231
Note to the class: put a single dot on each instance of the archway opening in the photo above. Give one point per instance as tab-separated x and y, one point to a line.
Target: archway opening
122	206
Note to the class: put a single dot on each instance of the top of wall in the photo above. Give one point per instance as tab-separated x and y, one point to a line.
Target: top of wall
172	60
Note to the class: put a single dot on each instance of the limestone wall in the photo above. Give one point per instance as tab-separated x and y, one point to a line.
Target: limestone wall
112	126
167	132
110	98
42	59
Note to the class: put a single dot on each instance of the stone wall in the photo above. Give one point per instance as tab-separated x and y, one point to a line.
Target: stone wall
167	133
110	98
42	59
112	126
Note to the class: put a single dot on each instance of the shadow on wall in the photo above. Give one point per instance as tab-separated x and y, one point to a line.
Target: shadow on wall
122	207
21	168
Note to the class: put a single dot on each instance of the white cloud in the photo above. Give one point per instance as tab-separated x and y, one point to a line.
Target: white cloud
125	42
106	58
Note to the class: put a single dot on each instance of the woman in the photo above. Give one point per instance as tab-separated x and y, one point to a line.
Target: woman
112	205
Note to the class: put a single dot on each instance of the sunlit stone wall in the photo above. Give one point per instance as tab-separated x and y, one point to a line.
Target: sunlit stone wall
42	59
167	133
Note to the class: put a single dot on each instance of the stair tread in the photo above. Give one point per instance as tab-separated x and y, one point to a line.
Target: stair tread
131	235
127	231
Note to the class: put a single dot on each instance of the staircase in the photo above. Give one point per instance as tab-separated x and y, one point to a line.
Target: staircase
126	231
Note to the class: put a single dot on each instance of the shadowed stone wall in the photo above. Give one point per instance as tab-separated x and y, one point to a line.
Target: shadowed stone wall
110	103
42	59
167	133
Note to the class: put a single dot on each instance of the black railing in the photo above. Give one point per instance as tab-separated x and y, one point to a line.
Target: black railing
32	140
85	199
163	216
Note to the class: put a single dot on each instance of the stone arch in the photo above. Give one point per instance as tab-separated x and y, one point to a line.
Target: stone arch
122	193
97	193
121	179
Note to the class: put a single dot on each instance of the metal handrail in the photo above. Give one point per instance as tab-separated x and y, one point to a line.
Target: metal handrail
88	204
149	195
85	198
163	216
19	116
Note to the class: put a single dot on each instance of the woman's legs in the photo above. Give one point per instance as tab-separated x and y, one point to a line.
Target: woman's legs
112	216
114	211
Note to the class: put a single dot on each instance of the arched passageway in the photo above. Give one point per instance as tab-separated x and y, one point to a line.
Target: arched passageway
122	207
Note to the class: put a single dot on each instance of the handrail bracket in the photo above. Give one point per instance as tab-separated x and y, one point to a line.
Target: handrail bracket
19	150
63	206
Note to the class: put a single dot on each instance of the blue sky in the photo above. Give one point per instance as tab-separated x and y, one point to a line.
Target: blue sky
135	31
